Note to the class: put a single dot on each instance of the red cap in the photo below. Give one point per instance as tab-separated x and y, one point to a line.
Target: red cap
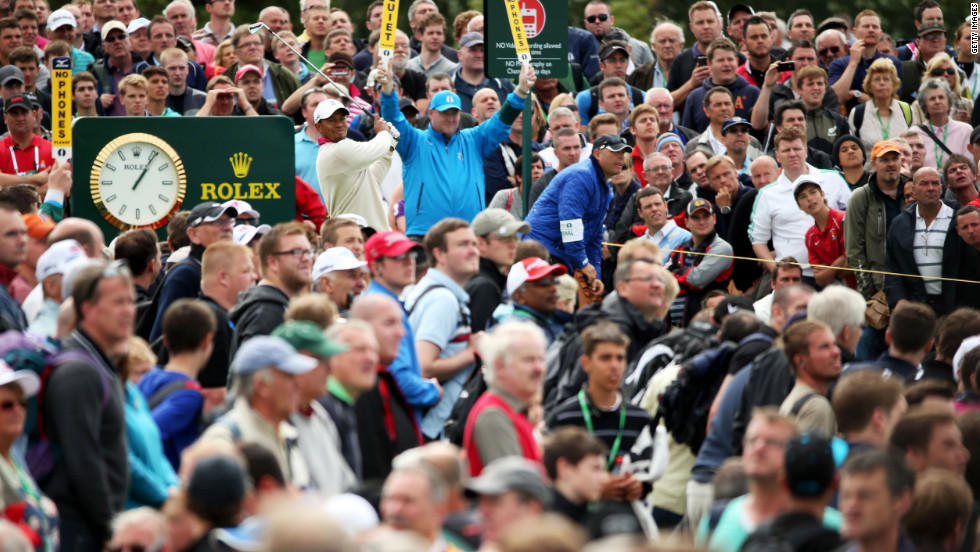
531	269
387	244
246	69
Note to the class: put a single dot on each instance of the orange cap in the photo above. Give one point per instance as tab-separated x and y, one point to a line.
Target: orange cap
37	226
883	147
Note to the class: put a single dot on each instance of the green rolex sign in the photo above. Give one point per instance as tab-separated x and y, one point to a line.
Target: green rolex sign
136	172
546	27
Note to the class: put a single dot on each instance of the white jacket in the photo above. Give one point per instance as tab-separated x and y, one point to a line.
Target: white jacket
350	175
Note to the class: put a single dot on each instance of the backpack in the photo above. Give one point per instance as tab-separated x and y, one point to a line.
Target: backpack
685	404
473	389
762	540
24	351
859	116
676	347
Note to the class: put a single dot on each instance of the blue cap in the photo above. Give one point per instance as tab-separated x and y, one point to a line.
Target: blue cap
270	352
734	121
444	100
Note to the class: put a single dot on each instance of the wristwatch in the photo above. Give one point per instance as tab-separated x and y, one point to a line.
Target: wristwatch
858	94
726	209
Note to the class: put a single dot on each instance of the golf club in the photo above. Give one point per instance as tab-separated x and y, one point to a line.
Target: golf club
254	28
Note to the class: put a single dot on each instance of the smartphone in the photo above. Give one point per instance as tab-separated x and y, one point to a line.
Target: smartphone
702	61
786	66
340	71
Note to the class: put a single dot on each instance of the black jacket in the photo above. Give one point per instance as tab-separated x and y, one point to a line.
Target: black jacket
259	311
769	383
677	200
374	411
90	482
486	293
215	373
899	259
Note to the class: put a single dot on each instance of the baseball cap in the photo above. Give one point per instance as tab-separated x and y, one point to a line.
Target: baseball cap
9	73
243	208
218	481
444	100
737	8
510	473
265	351
531	269
37	226
810	465
247	68
113	25
734	121
803	182
883	147
406	105
28	381
61	17
498	221
698	204
611	142
326	108
137	24
307	337
352	512
613	46
245	233
732	304
59	258
334	259
832	23
387	244
470	38
341	57
931	27
209	211
17	101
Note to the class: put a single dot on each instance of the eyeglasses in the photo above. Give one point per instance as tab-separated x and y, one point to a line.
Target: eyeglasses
939	71
114	269
646	279
405	256
833	49
298	252
112	38
7	406
659	168
595	18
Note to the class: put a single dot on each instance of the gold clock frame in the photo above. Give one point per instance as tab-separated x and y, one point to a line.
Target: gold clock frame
111	148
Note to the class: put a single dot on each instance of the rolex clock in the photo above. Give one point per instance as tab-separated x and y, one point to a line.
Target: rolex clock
138	181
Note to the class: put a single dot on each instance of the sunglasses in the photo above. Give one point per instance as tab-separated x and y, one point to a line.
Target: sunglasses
595	18
833	49
939	71
112	38
7	406
115	269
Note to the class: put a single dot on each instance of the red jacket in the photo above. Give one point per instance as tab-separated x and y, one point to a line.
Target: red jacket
309	206
523	428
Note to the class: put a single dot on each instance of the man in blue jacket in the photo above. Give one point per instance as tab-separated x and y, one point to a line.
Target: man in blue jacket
443	171
568	216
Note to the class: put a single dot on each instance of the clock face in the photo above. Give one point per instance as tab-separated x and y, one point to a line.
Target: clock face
137	181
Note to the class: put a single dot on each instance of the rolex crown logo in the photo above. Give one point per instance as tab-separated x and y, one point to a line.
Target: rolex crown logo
137	151
240	163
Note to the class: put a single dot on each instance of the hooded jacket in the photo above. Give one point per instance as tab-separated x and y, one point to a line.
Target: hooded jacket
259	311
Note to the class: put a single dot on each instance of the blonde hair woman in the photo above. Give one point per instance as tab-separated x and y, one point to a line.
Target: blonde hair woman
941	66
883	117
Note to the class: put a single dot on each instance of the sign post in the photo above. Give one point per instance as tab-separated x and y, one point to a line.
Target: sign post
538	35
61	108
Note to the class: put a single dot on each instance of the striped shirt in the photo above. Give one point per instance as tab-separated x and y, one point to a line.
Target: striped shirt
604	422
927	247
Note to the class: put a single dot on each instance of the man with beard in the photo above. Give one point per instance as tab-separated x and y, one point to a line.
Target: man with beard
286	259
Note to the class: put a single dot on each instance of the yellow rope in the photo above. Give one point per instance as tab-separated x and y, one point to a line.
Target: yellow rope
865	270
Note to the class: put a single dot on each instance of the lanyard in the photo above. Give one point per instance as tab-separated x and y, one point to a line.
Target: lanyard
614	451
935	146
37	161
884	131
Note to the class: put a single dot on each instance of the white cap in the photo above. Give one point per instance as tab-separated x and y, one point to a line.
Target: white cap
361	221
326	108
334	259
968	345
136	24
61	17
352	512
242	207
59	258
28	381
244	233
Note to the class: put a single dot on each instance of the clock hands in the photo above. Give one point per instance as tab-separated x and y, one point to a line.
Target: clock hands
153	155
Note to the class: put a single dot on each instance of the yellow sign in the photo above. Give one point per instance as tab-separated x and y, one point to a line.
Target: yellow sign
241	162
389	26
517	29
61	108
